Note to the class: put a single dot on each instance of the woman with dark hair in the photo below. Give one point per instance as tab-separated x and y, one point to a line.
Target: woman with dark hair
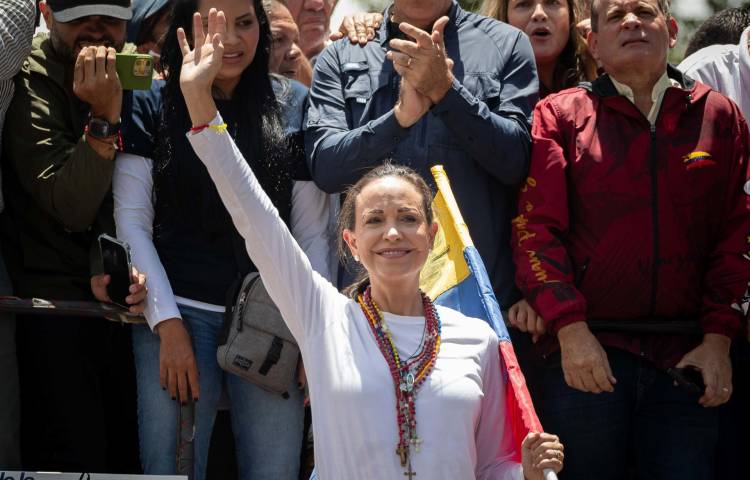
562	59
182	237
399	387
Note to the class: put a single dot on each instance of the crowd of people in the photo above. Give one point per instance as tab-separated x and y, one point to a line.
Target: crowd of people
607	192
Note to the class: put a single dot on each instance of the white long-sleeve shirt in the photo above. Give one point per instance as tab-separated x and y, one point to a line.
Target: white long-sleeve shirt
459	408
725	68
132	188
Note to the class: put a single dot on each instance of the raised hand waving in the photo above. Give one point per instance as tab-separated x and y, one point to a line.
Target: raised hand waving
201	64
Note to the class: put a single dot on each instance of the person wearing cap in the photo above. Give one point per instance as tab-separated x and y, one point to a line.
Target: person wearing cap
59	145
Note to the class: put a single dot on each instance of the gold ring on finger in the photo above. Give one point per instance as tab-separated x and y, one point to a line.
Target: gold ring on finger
408	63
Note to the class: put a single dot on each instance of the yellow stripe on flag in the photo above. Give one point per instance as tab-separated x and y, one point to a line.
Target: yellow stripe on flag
445	267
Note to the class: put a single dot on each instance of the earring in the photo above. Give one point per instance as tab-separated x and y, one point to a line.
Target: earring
356	258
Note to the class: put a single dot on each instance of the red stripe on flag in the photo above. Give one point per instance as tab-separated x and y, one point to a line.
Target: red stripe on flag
518	405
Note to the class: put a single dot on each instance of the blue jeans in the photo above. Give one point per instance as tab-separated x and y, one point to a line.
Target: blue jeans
647	426
267	428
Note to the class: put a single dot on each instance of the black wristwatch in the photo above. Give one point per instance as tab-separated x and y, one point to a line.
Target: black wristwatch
100	128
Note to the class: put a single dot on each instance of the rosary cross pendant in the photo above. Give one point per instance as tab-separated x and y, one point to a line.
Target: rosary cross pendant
410	473
403	453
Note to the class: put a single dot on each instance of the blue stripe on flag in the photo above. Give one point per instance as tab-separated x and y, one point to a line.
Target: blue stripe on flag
474	297
492	310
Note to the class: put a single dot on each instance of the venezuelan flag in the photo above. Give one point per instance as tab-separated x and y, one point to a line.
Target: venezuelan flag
455	277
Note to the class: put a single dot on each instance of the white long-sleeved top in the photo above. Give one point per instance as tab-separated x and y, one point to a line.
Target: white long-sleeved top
460	407
725	68
132	189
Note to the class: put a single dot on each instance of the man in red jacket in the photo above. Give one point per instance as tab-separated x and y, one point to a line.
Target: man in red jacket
636	214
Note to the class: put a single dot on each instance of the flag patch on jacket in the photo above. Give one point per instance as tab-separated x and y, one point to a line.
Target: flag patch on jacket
697	160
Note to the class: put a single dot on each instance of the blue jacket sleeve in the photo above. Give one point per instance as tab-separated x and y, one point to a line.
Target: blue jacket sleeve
338	154
498	139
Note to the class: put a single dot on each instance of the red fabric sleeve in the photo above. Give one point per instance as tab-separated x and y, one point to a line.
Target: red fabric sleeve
544	271
728	273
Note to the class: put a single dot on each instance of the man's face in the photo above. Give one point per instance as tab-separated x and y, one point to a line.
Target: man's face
69	38
313	18
632	34
285	53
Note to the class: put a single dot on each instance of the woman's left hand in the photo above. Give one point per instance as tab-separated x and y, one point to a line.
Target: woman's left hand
201	64
541	451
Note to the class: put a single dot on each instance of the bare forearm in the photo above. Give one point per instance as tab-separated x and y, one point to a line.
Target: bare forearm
104	147
200	105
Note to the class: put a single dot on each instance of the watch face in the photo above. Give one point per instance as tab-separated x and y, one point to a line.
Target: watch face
99	127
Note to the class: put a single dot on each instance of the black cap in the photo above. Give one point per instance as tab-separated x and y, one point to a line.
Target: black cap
68	10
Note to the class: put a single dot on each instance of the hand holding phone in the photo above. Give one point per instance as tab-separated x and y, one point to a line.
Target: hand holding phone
95	82
689	379
116	261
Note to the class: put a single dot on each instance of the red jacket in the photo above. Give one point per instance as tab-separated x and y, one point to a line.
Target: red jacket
622	221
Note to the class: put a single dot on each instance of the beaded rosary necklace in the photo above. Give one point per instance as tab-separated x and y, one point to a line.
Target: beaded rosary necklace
407	376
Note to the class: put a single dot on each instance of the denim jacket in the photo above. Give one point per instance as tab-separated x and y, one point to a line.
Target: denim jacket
479	132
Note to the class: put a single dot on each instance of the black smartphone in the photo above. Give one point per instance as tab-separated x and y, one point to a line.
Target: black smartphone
688	379
117	264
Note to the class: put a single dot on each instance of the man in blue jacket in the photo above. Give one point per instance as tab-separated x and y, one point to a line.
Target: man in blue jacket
437	85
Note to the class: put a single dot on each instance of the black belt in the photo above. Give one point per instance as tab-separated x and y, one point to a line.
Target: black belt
653	325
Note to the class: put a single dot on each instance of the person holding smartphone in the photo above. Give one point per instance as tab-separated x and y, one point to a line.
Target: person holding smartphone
169	211
59	144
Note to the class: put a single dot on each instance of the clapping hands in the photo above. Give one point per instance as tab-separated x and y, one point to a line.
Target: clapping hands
425	70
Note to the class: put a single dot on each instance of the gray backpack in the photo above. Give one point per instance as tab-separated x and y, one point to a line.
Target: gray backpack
256	343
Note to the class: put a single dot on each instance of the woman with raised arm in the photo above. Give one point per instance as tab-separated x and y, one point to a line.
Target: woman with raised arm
399	387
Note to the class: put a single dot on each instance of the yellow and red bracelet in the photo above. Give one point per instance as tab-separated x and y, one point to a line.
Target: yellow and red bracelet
219	128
